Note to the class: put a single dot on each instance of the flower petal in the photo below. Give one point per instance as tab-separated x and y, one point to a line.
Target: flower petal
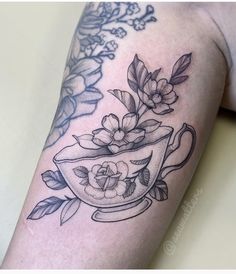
164	87
112	181
114	148
95	193
110	193
89	68
120	188
101	180
144	98
122	167
111	165
119	143
92	180
102	137
161	109
75	82
110	122
150	87
95	169
135	135
170	98
129	121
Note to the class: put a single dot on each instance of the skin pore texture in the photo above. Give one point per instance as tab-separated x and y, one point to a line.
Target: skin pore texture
141	89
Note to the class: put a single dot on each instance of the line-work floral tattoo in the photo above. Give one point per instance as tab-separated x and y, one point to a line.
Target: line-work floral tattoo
95	40
118	165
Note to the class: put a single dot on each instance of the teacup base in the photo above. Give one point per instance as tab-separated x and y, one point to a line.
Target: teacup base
119	213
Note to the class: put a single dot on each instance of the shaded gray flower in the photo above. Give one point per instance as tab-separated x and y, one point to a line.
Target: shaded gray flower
158	95
139	24
119	32
107	180
111	45
133	8
118	136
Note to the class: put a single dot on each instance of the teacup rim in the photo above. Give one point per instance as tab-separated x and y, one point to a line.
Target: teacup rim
106	152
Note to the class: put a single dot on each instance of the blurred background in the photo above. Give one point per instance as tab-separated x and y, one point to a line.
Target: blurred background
35	39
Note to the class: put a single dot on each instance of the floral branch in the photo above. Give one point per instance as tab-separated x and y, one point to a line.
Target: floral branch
156	94
91	46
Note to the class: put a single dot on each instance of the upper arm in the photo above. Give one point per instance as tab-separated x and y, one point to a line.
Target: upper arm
140	93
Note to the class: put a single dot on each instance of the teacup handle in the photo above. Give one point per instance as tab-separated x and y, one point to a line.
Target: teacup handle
174	146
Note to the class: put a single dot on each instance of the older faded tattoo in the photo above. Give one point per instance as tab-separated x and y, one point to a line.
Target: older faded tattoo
120	167
95	40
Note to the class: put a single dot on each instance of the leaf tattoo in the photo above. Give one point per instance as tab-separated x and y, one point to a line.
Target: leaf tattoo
150	125
69	210
45	207
144	161
125	98
54	179
81	171
130	188
159	191
179	67
144	176
137	74
155	74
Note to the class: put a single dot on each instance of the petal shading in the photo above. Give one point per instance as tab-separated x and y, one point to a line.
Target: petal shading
170	98
112	181
150	87
95	169
135	135
102	137
110	122
129	121
101	180
111	165
162	109
76	83
114	148
145	99
164	87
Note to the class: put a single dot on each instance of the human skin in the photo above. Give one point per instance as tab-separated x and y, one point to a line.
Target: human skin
84	243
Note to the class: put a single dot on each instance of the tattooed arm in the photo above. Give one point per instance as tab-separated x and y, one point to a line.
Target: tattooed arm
141	89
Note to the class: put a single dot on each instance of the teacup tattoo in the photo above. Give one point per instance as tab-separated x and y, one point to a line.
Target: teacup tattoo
110	168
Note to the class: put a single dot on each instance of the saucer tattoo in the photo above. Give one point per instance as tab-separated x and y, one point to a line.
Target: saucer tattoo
119	168
95	41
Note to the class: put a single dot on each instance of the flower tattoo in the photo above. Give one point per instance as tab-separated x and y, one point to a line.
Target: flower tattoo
118	136
158	96
107	180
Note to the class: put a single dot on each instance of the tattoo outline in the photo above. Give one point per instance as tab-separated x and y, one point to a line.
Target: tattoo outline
104	169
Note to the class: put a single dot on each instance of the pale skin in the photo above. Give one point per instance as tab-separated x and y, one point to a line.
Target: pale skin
204	30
